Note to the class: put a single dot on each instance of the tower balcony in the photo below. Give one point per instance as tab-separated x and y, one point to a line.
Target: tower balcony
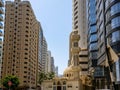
1	10
75	37
1	17
1	3
75	49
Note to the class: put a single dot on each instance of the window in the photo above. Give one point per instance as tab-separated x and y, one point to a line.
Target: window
75	57
93	38
54	88
24	81
75	44
27	14
115	22
93	29
64	87
93	55
115	8
26	48
27	27
26	35
116	36
84	69
26	44
25	71
25	76
27	18
25	67
26	58
69	86
83	62
27	22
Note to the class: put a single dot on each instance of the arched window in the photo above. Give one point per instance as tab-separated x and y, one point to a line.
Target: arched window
58	83
67	75
64	82
54	83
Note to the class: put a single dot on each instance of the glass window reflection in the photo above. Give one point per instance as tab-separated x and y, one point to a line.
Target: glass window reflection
92	12
93	38
93	29
93	46
93	55
116	36
115	22
115	8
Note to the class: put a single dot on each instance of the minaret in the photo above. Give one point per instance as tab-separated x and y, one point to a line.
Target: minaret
74	48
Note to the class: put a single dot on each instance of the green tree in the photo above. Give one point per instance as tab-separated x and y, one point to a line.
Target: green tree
50	75
10	82
42	77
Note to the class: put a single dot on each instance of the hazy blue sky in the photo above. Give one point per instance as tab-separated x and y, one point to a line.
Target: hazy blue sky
56	20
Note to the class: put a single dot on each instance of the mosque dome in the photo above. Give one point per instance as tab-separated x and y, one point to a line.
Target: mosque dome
72	72
72	69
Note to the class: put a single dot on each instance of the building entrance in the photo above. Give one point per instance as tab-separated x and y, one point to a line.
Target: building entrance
59	88
59	85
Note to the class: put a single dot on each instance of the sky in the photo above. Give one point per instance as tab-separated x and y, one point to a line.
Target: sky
56	20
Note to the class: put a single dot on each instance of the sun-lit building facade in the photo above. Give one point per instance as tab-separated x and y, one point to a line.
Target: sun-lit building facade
20	47
79	23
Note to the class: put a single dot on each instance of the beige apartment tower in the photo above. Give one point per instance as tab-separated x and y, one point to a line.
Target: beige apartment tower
80	24
20	48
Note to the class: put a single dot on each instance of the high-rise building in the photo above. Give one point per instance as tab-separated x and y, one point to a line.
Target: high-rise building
92	34
44	54
52	65
95	40
47	69
1	31
20	48
105	14
40	49
101	55
112	27
80	24
56	70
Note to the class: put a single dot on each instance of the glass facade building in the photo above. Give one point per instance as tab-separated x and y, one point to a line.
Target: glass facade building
103	24
112	24
92	33
94	46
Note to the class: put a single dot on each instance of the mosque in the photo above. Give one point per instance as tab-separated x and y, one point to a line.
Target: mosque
71	79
